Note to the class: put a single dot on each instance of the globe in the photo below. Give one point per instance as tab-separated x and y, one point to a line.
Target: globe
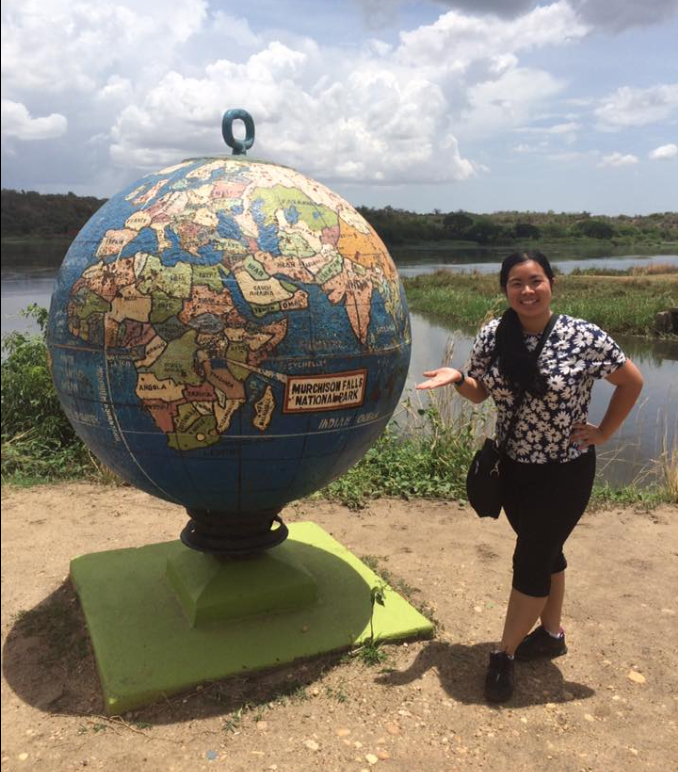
229	335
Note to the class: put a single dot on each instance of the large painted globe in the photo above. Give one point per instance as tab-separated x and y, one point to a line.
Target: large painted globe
229	335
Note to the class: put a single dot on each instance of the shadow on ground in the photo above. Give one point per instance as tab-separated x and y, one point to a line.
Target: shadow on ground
49	663
461	670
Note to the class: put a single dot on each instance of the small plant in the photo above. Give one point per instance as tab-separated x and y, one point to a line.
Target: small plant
371	652
376	597
232	722
337	693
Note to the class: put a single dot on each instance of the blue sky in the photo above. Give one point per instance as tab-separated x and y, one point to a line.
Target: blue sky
482	105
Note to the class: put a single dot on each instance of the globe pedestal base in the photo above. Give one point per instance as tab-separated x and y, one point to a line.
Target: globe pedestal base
147	647
273	581
217	533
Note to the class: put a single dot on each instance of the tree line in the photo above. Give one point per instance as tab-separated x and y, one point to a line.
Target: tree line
398	226
26	213
31	214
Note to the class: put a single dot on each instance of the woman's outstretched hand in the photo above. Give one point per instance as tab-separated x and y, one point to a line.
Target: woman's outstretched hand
443	376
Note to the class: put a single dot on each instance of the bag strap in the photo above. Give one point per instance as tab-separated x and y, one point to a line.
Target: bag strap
521	397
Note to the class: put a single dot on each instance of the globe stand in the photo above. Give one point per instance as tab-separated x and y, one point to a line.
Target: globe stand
163	618
220	534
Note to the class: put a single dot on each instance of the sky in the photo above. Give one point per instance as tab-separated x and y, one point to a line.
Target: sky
476	105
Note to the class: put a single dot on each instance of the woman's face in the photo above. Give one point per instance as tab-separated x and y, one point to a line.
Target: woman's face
529	290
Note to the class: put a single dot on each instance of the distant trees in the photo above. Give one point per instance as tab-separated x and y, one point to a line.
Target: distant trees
398	226
456	224
525	230
595	229
27	213
486	231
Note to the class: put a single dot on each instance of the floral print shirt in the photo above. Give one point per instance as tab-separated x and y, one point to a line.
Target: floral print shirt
576	353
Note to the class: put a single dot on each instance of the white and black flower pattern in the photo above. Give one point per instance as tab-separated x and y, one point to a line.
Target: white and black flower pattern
576	353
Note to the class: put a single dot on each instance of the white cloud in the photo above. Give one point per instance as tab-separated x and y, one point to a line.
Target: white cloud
454	42
495	106
629	106
524	148
92	40
618	159
384	115
664	153
235	29
18	123
559	128
566	132
117	90
370	126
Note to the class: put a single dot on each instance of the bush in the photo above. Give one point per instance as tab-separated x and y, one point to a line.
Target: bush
38	442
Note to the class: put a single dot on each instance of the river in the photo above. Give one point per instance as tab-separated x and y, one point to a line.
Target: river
629	456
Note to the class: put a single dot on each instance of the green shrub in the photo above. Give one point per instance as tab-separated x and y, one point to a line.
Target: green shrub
38	442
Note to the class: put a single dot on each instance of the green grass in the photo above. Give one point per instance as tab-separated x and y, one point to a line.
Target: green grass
625	304
640	497
428	462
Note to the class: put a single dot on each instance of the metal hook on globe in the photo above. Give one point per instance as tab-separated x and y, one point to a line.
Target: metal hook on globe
239	146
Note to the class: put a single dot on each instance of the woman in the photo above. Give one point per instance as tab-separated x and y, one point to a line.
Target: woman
549	462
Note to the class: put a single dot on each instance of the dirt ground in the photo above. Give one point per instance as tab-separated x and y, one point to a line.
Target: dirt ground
610	704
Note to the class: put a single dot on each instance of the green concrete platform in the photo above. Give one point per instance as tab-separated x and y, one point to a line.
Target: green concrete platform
163	618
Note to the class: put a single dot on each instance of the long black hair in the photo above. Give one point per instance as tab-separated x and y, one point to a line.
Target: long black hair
515	362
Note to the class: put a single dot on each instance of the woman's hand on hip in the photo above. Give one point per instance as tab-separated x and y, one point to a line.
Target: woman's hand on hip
443	376
584	435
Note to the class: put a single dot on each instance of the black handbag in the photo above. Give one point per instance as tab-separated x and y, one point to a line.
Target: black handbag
483	485
483	481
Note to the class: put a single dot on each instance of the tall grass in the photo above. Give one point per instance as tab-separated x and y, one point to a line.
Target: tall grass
618	304
425	451
668	466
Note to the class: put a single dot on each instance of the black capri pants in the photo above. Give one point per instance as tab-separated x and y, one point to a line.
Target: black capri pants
543	503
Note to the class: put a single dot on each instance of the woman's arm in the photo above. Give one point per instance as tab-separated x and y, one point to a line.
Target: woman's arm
471	388
628	382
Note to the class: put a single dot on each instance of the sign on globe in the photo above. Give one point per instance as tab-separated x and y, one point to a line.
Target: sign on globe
228	334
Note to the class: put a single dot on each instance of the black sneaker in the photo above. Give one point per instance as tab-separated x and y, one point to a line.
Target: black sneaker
540	644
499	678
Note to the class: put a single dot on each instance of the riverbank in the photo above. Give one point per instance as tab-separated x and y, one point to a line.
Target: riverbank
609	704
620	304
